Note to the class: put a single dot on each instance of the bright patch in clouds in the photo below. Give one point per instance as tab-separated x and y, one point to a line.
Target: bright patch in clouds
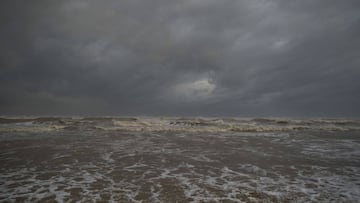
280	43
195	90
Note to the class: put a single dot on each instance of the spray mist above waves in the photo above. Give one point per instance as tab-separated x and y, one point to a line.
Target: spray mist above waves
34	124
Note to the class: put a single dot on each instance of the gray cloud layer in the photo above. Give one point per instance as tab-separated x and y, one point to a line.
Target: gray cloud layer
191	57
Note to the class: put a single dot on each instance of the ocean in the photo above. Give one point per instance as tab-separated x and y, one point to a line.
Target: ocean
173	159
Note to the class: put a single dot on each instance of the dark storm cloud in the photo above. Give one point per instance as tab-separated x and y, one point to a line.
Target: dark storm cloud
193	57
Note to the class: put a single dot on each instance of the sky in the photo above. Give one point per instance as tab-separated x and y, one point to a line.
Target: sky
261	58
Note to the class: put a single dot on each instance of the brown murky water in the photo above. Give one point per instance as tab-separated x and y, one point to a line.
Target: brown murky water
89	160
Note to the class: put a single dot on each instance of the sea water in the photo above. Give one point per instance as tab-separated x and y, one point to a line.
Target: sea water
144	159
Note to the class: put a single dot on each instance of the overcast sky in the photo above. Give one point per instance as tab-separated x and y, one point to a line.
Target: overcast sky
185	57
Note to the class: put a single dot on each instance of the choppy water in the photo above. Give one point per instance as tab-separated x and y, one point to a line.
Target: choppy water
179	160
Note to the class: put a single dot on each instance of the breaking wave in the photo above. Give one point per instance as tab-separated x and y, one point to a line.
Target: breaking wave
27	124
175	124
